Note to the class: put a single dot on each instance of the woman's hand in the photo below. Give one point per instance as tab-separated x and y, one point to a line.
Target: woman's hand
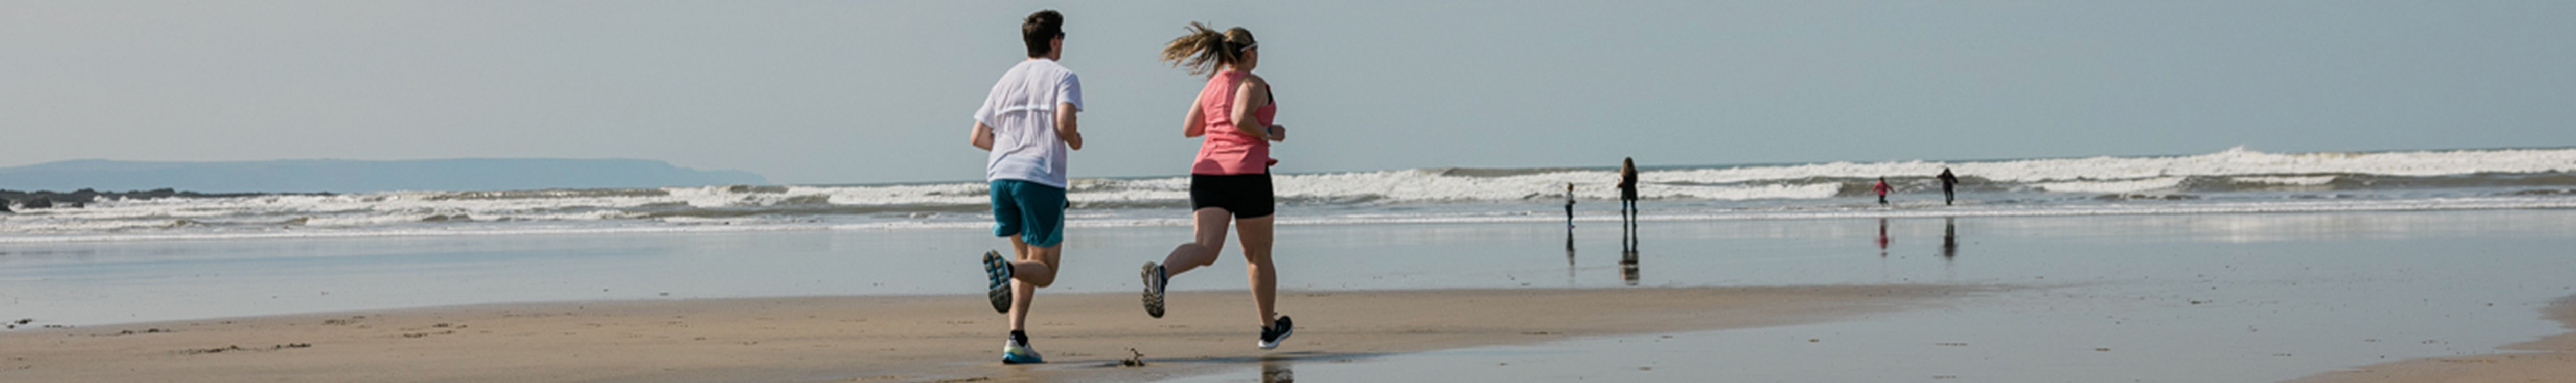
1278	133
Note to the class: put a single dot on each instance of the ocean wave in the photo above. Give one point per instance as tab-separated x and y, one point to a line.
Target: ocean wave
2237	161
1099	220
2119	186
546	193
2232	173
2542	192
2284	180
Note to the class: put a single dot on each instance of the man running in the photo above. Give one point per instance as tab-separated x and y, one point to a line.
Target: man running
1027	123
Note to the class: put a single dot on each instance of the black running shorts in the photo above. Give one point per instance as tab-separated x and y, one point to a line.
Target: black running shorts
1245	195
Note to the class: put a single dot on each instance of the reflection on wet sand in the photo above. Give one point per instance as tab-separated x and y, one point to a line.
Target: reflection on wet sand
1274	367
1569	255
1628	255
1276	371
1628	267
1949	237
1882	238
1569	249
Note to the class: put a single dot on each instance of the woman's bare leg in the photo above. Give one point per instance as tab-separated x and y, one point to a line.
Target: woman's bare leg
1256	258
1209	225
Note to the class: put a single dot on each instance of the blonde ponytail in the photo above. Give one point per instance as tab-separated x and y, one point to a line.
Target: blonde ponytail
1205	50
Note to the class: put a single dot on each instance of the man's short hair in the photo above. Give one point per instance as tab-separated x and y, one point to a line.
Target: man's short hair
1039	29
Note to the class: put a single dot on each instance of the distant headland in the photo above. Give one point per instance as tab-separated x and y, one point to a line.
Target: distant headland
359	176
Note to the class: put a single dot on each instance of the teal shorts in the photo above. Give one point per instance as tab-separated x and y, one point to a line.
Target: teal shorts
1031	210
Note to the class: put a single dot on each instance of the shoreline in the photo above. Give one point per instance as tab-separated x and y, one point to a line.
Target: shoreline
897	338
1969	210
2551	358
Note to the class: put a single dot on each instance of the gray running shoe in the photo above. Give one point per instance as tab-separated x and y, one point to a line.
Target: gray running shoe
997	275
1155	281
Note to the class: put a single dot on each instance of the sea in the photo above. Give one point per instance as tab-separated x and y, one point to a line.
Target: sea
2244	265
2235	180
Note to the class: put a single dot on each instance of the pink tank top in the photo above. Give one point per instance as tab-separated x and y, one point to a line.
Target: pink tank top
1226	150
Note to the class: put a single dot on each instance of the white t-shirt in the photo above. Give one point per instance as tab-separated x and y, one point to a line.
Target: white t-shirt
1021	111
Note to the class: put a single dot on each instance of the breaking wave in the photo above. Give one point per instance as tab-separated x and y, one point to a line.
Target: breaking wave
2235	176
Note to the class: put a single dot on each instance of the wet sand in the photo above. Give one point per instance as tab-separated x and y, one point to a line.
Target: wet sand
2551	359
2234	297
893	338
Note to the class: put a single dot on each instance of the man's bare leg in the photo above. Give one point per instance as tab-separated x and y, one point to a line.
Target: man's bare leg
1034	269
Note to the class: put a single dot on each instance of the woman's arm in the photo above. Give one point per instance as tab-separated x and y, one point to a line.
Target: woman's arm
1195	124
1252	94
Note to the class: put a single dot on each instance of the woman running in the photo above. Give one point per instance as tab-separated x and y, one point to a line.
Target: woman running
1230	179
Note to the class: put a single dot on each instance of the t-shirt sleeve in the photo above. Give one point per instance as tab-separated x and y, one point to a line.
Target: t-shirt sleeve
1070	91
984	114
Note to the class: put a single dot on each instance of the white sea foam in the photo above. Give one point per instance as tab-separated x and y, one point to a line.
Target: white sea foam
2122	186
1116	220
2231	162
1418	186
1819	183
2294	181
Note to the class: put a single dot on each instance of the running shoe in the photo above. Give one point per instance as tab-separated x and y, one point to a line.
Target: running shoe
997	275
1155	279
1277	331
1016	350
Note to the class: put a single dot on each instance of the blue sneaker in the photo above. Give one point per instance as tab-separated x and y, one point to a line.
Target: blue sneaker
997	274
1155	280
1016	350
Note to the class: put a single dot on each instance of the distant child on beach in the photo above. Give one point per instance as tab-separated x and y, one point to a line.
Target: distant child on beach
1881	189
1947	180
1230	178
1027	124
1569	205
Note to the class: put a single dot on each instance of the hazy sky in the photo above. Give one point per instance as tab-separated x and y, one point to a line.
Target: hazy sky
881	91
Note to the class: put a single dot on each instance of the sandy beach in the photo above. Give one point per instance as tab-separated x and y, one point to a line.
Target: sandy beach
2551	359
2401	297
889	338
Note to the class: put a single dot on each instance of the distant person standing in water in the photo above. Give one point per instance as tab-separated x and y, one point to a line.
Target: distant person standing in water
1881	189
1947	180
1230	179
1628	190
1569	205
1027	125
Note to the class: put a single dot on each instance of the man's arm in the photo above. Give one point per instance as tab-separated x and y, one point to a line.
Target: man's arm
981	136
1066	128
